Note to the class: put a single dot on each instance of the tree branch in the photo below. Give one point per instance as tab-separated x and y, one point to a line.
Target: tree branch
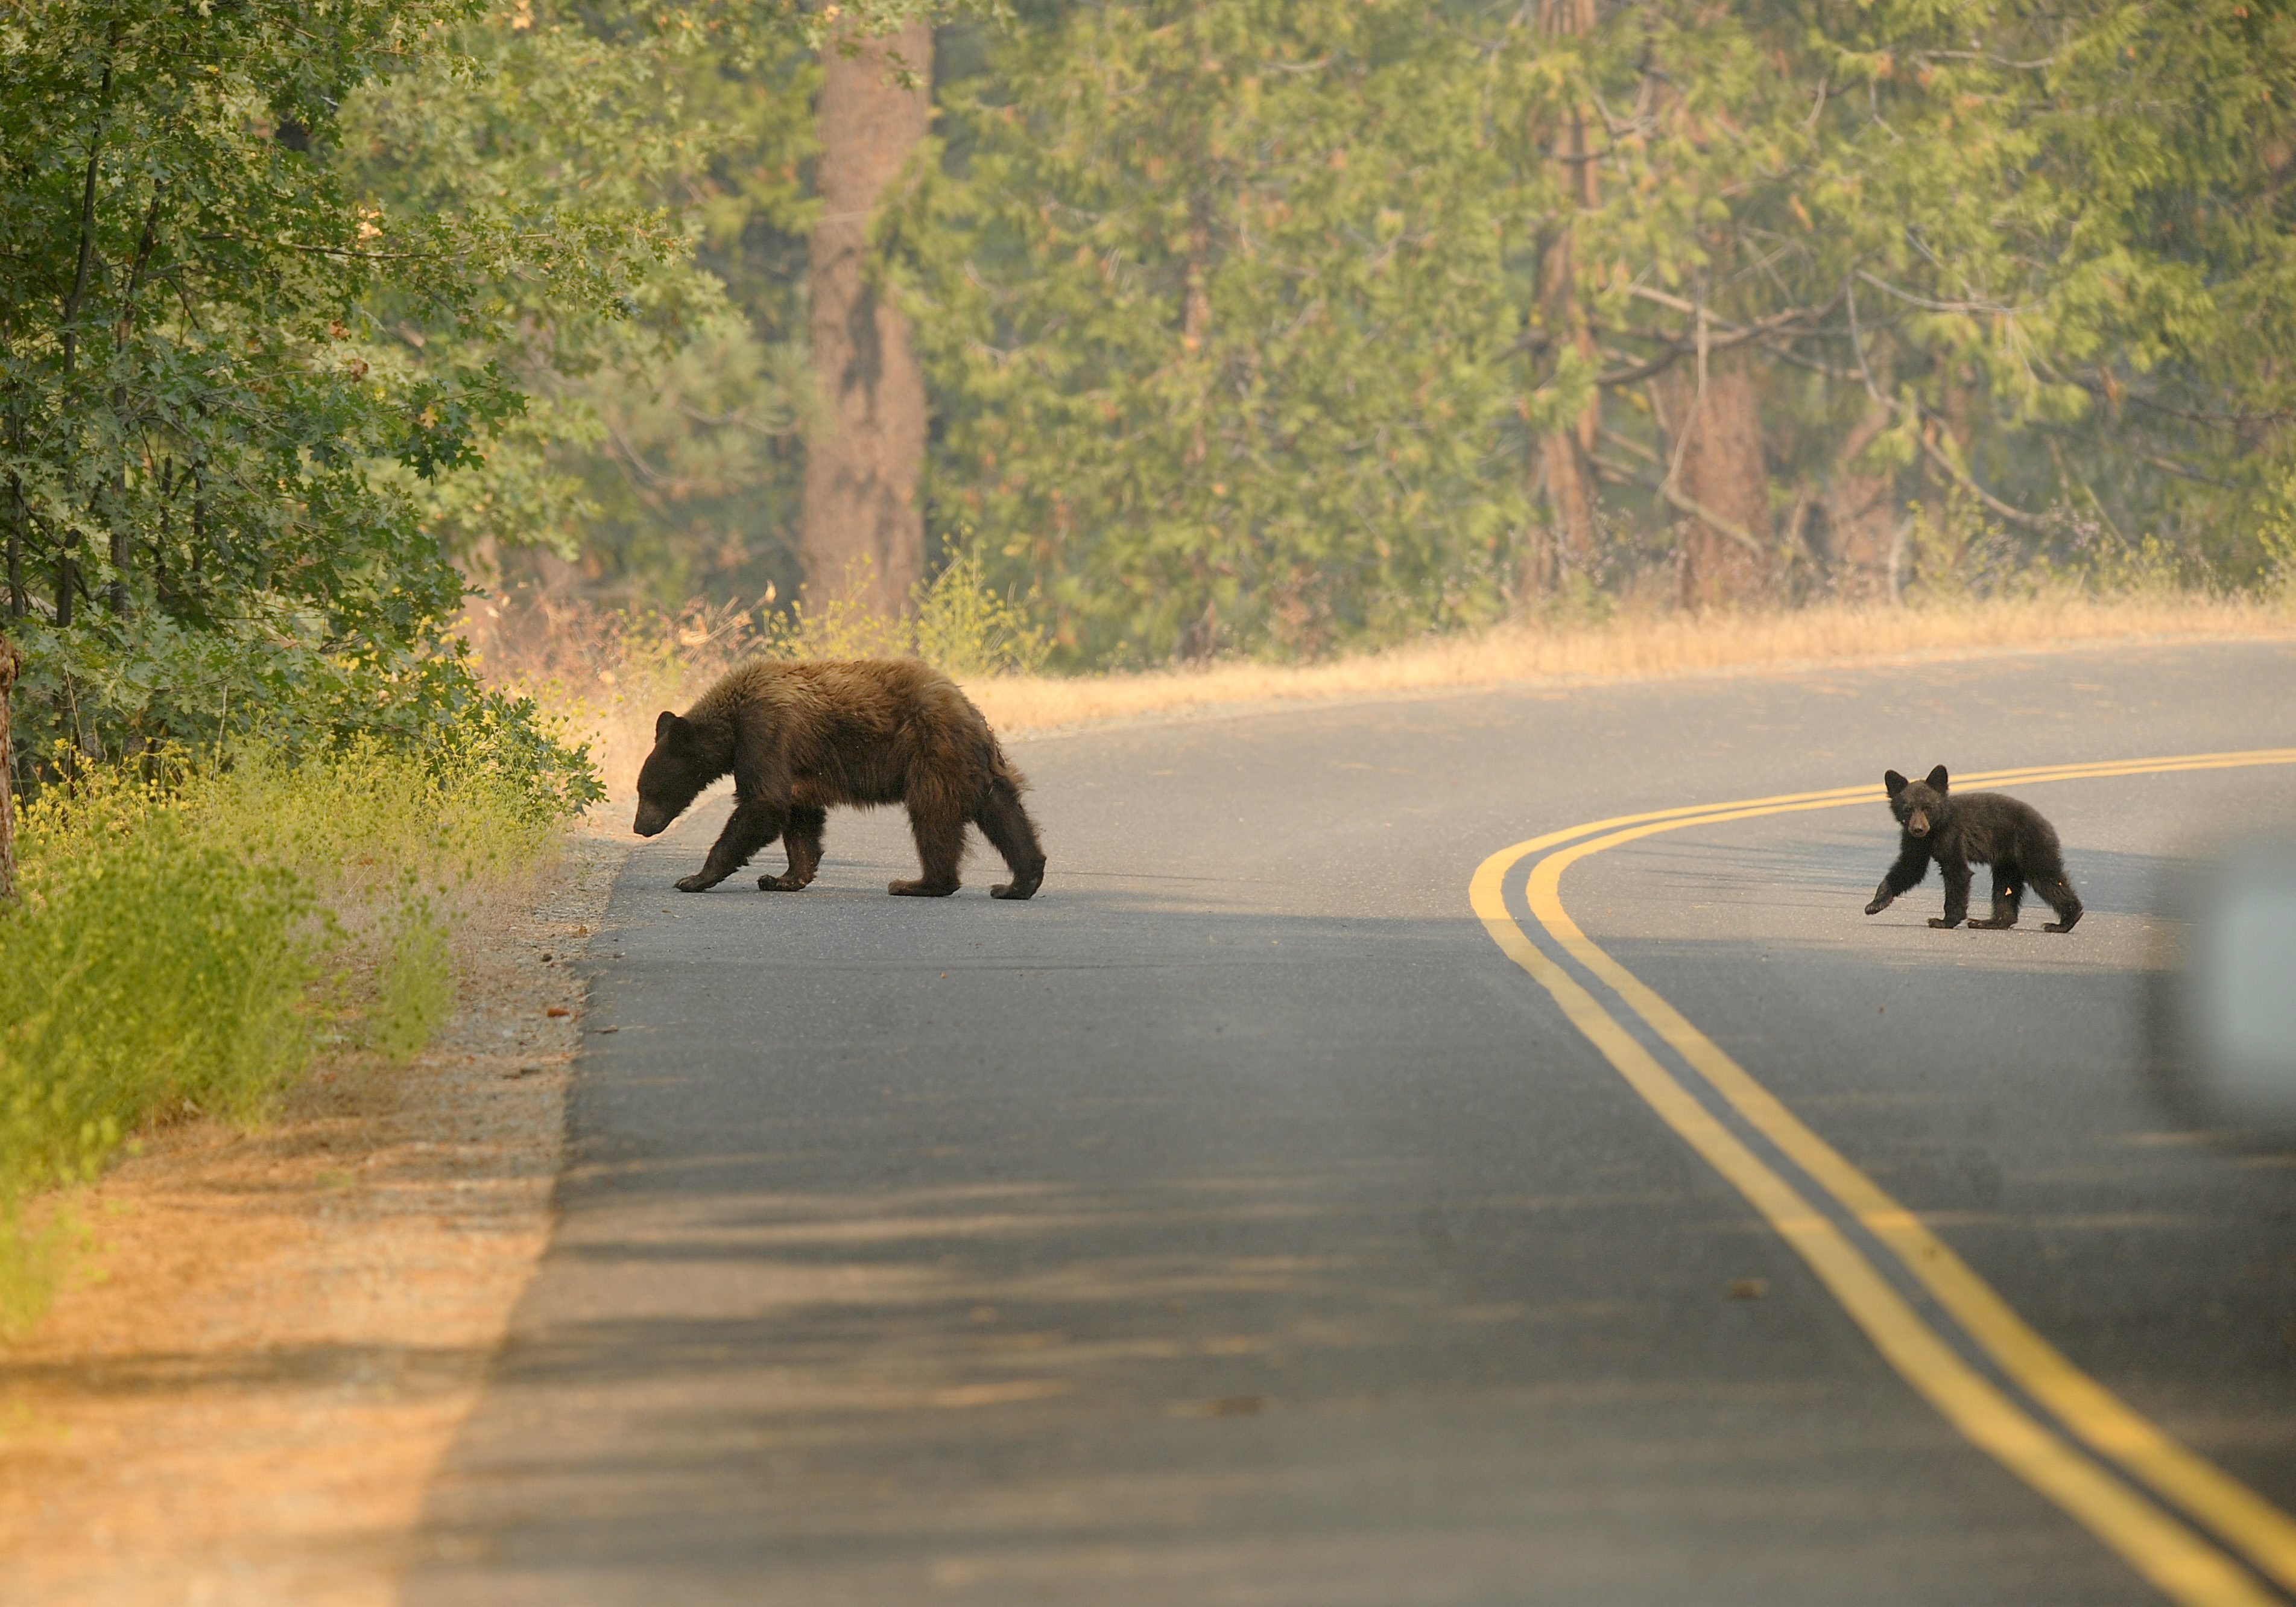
73	302
1685	502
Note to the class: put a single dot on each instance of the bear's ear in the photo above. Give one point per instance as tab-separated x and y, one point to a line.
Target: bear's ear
664	726
1937	779
1895	783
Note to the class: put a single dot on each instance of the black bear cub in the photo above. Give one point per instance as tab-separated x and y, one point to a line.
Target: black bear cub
1990	828
802	737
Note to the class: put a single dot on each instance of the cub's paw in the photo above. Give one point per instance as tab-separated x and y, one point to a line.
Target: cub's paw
695	884
1878	905
1940	922
1015	889
784	883
2061	925
1991	925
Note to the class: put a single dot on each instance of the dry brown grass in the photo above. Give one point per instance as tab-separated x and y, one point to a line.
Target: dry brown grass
1645	648
611	676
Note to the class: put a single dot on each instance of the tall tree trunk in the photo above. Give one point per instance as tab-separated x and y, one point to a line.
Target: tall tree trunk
18	517
67	580
1861	514
864	530
1720	485
8	664
1565	464
1199	637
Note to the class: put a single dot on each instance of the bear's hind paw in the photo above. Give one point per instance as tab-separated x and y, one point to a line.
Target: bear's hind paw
1939	921
921	888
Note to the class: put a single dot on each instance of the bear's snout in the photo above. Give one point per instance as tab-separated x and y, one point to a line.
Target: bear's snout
1918	822
650	823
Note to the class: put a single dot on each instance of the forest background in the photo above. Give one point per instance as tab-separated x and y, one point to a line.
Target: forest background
1144	331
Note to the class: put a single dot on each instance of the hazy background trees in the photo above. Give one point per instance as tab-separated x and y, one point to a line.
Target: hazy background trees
1261	326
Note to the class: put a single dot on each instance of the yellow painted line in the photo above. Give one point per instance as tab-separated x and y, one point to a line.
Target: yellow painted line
1833	797
2162	1549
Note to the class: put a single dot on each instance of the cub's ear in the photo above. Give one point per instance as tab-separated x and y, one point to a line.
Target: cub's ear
1937	779
1895	783
664	726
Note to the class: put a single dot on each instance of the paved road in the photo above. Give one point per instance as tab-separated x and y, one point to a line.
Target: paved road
1236	1223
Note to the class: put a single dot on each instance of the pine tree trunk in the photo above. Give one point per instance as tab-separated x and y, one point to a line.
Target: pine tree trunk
1721	490
863	528
1570	502
1199	637
1861	515
1565	465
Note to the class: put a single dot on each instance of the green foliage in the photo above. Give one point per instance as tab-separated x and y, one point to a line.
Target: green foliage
147	965
146	968
967	629
2050	249
654	441
955	621
187	935
1245	321
414	991
1243	318
1217	310
210	489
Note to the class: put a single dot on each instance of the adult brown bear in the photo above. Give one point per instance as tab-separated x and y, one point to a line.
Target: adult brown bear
800	737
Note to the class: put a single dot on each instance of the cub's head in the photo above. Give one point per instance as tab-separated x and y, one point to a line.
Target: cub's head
1918	805
673	775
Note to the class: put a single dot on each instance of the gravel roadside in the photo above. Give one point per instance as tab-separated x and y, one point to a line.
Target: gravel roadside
273	1337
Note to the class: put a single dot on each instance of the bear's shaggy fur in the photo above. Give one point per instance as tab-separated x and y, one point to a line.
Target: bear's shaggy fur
802	737
1990	828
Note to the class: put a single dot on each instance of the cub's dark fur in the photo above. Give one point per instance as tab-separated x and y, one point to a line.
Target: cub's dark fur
802	737
1990	828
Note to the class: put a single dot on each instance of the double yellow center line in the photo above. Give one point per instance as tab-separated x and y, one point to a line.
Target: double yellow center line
2141	1493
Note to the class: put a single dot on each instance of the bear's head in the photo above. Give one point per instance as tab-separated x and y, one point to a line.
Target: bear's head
1918	805
673	775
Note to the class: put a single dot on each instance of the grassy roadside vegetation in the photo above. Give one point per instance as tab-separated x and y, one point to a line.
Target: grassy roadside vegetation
607	674
190	935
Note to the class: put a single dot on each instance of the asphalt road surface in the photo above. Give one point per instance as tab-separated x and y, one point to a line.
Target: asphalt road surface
1239	1222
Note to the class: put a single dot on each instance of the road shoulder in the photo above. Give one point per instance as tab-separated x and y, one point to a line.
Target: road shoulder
275	1336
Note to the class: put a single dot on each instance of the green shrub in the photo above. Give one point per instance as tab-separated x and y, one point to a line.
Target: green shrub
188	934
414	984
957	622
145	966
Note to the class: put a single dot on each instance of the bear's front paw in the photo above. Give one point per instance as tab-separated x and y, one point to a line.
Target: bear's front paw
1939	921
1878	905
695	884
